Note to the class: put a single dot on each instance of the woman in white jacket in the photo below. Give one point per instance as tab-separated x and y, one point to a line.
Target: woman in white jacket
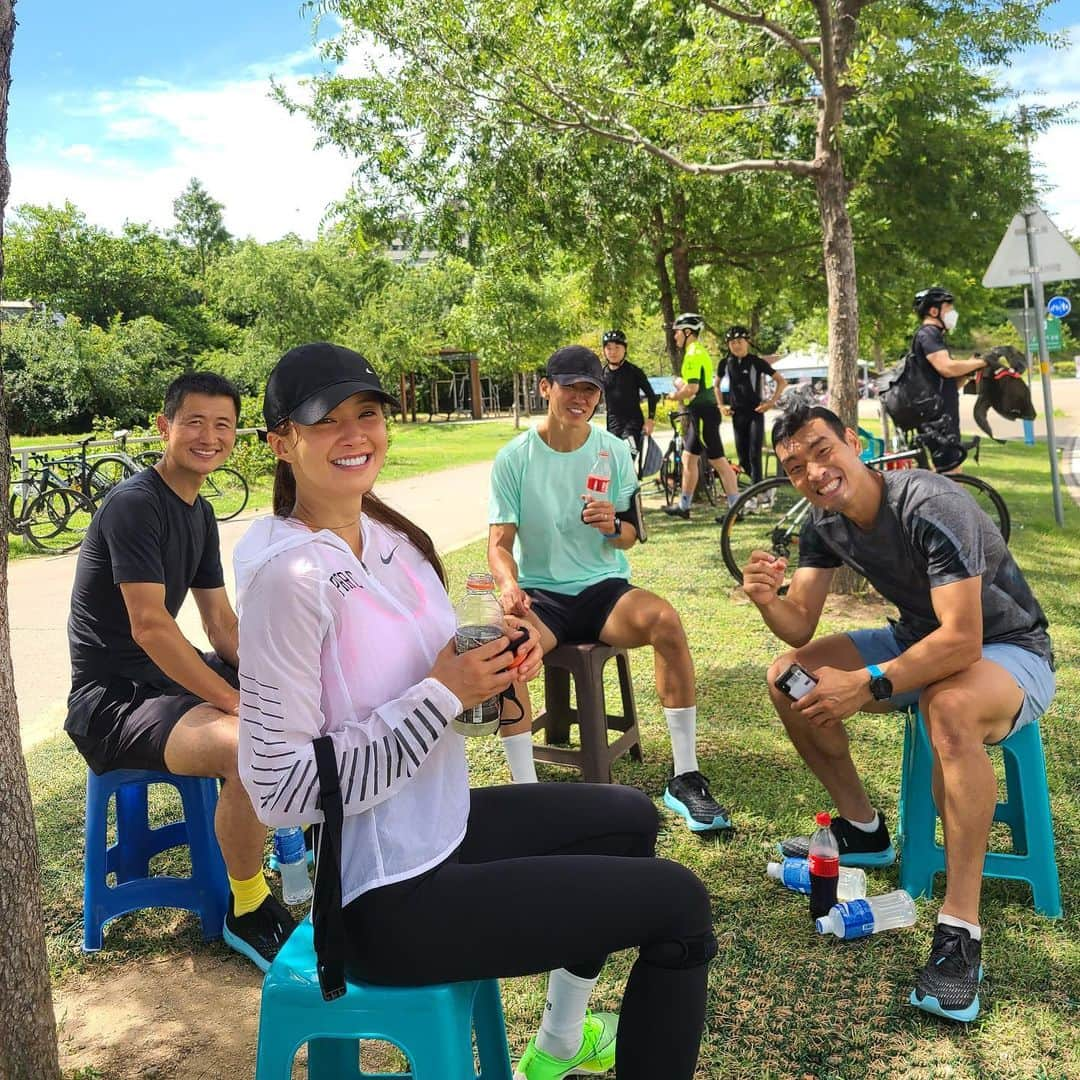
346	631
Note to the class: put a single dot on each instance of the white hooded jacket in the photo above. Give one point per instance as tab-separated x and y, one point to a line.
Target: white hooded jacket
332	645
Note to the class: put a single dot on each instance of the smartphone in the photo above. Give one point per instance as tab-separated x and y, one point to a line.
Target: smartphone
796	682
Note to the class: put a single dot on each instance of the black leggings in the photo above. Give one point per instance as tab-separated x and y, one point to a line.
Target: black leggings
749	438
554	876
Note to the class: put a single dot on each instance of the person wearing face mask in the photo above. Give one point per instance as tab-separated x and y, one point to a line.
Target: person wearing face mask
939	316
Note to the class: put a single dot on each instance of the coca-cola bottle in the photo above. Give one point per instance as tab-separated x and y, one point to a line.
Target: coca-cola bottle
824	860
599	478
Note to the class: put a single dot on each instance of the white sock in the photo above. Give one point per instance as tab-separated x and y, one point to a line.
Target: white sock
519	754
867	826
563	1025
733	499
974	929
685	501
682	724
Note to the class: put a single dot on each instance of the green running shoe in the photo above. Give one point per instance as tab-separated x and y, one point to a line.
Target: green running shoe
596	1054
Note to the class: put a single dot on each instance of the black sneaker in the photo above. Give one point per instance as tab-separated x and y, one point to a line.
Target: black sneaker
949	984
677	511
688	794
259	934
857	848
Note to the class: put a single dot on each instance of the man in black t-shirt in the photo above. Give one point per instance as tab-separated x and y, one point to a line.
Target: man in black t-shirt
746	400
970	648
142	696
624	383
942	436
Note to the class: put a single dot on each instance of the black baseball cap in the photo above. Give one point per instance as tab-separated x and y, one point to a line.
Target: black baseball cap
312	380
574	363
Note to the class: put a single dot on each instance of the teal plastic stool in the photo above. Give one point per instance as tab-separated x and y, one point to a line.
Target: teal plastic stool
432	1025
1026	812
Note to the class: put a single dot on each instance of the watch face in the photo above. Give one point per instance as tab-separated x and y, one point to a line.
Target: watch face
880	688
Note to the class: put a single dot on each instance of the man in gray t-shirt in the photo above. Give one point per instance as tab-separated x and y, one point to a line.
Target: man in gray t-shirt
970	648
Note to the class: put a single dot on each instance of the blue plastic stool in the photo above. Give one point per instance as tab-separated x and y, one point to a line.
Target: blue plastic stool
431	1025
206	892
1027	813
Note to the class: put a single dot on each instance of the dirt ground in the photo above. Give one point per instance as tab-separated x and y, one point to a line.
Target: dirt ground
194	1016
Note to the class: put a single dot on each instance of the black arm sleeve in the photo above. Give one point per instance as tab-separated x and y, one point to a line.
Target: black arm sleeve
650	394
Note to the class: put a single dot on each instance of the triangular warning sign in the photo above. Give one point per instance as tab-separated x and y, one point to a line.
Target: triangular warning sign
1058	259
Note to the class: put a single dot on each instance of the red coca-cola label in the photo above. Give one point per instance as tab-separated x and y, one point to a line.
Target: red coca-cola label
824	865
598	485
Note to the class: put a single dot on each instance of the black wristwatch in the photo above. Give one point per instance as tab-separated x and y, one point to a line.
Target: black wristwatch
618	530
880	686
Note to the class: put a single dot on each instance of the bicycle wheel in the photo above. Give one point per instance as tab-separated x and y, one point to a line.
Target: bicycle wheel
670	480
766	517
707	480
105	473
226	491
148	457
57	520
988	500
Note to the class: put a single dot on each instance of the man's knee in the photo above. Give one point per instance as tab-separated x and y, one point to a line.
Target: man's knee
952	720
205	742
666	628
776	669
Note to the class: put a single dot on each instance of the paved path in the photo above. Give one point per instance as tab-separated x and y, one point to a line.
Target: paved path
451	505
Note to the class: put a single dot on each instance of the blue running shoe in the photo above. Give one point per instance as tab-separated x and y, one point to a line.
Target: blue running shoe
949	984
259	934
688	794
857	848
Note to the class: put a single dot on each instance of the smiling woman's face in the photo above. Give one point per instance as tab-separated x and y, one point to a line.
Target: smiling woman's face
341	453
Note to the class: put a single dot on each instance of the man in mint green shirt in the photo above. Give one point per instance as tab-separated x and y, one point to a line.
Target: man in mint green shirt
558	558
702	430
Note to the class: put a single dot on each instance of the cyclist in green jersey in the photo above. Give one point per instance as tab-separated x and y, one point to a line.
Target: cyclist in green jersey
702	430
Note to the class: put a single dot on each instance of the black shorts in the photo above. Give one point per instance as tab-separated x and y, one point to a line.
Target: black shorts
578	619
702	431
132	723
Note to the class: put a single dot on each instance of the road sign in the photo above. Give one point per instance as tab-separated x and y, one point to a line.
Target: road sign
1058	306
1053	337
1058	259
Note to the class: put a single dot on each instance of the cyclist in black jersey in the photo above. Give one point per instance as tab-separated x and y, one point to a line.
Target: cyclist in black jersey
746	401
624	383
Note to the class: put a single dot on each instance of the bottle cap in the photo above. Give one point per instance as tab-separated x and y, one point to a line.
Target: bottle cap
774	870
824	819
825	924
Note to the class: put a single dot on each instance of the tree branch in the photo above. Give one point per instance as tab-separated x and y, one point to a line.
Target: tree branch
706	110
775	30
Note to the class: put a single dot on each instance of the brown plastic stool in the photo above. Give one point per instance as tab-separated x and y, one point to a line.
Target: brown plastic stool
595	755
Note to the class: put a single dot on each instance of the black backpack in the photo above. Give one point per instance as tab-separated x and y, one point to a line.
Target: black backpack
911	396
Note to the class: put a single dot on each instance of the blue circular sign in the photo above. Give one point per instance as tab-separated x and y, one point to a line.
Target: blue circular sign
1059	306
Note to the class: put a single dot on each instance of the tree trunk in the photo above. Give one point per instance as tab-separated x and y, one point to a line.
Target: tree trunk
680	255
839	250
663	285
27	1026
517	410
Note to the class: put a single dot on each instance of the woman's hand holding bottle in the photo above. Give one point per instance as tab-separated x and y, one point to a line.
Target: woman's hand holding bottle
476	675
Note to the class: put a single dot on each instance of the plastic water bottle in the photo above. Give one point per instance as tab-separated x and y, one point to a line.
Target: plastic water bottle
824	867
861	918
599	478
795	874
479	620
292	864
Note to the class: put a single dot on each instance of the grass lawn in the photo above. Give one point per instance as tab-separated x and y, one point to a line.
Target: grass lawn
783	1002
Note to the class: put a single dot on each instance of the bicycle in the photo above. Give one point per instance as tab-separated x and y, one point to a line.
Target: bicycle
225	489
669	480
780	511
54	520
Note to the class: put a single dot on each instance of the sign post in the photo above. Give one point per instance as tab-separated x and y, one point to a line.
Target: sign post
1031	237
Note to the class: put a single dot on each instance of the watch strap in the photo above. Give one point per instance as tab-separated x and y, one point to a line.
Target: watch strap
875	671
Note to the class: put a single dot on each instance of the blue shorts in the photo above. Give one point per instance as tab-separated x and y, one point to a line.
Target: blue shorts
1031	672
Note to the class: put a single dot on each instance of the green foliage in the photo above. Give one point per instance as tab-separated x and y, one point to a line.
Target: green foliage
199	223
59	377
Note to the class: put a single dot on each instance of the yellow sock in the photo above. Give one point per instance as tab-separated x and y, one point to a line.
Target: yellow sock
248	895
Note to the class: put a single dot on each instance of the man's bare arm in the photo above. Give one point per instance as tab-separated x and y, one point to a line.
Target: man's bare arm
156	633
504	570
943	363
792	618
220	623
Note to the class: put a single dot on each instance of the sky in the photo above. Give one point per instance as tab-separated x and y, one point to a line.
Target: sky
116	105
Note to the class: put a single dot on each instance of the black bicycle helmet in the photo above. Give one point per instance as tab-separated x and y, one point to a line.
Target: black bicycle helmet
689	320
616	337
734	332
935	296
